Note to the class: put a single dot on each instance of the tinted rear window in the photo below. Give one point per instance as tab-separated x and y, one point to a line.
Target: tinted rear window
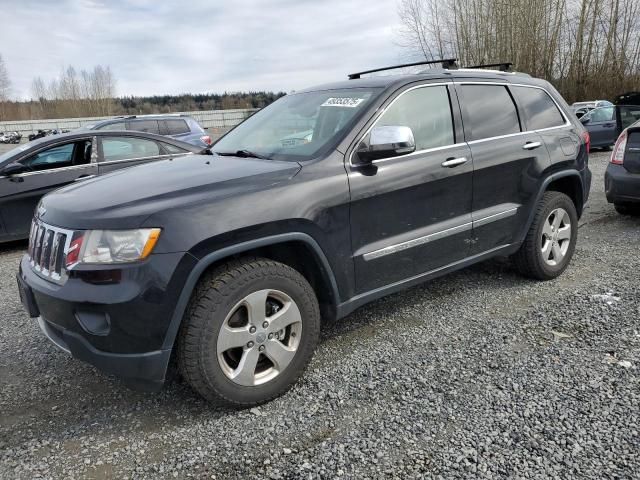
538	109
177	127
150	126
489	111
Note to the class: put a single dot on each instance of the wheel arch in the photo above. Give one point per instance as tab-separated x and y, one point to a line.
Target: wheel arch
568	182
287	248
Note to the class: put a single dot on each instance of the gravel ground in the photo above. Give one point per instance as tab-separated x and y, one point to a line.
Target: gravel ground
481	374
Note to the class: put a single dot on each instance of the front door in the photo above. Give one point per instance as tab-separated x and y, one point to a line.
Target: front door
411	214
44	171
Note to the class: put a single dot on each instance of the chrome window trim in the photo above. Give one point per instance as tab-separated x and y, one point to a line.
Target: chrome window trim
73	167
567	122
391	249
110	162
459	144
93	162
94	150
381	112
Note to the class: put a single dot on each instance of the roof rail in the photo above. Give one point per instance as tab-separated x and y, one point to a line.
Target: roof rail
503	67
449	63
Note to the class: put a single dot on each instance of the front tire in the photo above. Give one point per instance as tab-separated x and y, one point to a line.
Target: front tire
551	239
249	332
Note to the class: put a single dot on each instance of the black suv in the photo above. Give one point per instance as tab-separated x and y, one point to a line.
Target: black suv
325	200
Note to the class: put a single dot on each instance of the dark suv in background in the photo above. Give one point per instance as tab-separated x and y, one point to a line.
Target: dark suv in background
228	263
180	127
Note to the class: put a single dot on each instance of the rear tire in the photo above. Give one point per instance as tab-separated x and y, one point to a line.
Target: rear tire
627	209
551	240
249	332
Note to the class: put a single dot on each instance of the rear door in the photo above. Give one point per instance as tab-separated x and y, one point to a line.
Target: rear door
50	168
540	113
124	151
411	214
507	161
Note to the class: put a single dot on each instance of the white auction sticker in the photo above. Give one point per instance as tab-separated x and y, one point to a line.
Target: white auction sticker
342	102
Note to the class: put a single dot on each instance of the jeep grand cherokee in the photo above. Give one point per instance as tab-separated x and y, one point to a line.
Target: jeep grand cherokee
229	262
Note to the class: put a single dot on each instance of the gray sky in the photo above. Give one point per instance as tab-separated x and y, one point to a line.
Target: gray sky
195	46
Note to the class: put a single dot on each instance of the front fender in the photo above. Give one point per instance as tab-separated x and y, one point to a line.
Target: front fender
209	259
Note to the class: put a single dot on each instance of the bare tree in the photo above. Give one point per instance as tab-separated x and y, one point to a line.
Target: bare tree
5	83
588	48
73	94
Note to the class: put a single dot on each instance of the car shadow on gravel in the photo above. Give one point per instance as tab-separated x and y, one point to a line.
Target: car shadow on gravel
99	399
482	278
13	246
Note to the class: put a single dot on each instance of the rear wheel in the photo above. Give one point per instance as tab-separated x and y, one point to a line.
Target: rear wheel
627	209
551	239
250	331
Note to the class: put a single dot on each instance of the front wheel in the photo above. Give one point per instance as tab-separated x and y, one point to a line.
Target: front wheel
250	331
551	239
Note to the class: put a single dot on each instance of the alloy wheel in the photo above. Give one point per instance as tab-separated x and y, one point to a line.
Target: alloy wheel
556	237
259	337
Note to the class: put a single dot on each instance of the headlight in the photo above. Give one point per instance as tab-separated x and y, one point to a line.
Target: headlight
111	246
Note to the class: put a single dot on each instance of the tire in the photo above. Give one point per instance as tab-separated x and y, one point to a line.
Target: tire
219	340
548	247
627	209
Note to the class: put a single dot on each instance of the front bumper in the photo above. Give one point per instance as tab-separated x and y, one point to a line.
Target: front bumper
620	185
141	371
117	326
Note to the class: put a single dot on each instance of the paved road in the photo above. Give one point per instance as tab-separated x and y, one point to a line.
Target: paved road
481	374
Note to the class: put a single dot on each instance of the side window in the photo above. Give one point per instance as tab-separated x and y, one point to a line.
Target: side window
489	111
125	148
604	114
60	156
173	149
113	126
150	126
427	112
538	109
177	127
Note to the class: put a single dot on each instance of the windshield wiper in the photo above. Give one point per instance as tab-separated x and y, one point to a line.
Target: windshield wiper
243	154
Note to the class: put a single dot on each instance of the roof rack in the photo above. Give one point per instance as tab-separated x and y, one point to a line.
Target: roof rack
503	67
449	63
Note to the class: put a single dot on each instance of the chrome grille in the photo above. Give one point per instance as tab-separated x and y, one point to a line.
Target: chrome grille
47	248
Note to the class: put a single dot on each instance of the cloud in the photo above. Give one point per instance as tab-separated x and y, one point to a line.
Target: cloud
197	45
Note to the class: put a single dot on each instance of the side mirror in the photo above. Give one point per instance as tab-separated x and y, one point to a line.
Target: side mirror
585	119
385	142
12	169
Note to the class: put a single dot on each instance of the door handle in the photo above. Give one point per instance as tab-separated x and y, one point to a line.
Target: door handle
531	145
454	162
609	125
84	177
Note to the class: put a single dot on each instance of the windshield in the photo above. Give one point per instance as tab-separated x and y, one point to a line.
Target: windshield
297	127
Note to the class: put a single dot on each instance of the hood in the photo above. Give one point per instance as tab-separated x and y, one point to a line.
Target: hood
125	198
